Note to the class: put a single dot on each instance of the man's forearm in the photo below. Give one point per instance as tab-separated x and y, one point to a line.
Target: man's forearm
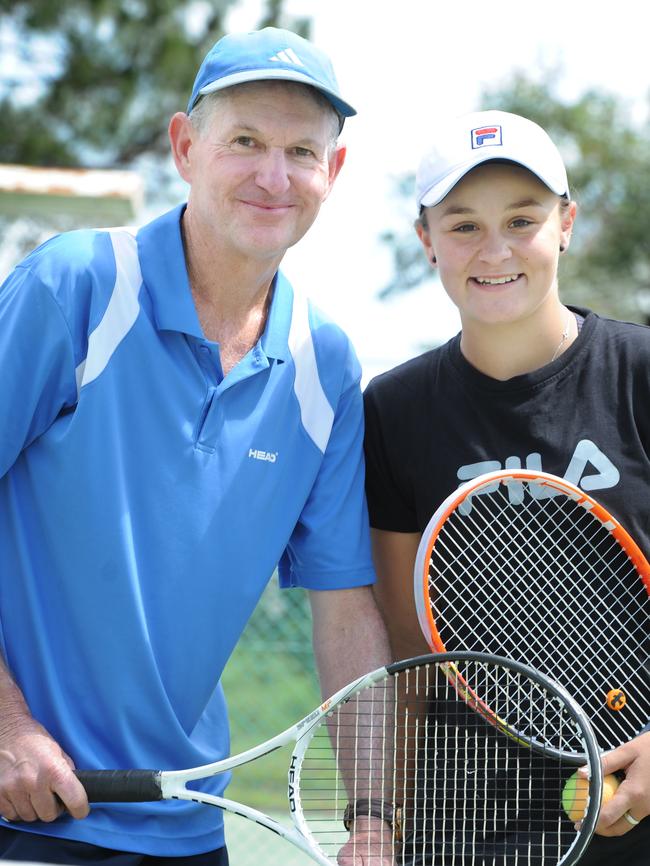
350	637
36	777
13	706
350	640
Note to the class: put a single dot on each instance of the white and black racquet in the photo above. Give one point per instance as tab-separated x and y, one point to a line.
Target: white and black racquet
493	743
527	565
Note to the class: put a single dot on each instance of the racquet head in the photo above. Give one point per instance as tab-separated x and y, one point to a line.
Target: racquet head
486	786
526	565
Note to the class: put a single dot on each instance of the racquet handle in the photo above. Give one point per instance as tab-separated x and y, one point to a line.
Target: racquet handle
121	786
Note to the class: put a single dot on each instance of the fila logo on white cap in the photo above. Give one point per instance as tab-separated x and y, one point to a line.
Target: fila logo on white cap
486	136
287	55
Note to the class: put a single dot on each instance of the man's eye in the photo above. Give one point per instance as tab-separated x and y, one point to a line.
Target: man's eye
244	141
465	227
521	223
303	152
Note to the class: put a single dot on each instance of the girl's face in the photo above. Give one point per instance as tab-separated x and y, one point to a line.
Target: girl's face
496	238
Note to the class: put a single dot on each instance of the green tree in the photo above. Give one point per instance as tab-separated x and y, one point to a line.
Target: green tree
607	153
93	82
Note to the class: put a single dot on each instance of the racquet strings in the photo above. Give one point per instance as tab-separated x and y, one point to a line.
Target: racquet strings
536	577
468	792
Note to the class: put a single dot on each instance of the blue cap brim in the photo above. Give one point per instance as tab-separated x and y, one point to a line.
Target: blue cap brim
343	108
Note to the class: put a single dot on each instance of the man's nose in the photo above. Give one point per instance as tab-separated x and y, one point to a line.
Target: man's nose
273	171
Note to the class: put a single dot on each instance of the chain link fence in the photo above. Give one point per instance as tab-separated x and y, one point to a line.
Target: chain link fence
270	682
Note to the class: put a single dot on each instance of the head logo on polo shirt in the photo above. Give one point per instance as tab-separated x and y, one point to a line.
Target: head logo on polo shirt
486	136
268	456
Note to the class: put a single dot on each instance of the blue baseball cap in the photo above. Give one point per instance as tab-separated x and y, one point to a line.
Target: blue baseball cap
267	55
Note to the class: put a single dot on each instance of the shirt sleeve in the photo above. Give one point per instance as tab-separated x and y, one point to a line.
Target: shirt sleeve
36	360
389	504
330	546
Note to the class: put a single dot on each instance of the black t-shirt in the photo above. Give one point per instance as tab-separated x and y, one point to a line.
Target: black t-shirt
436	421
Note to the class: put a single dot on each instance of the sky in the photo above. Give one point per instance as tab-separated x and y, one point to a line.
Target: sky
401	65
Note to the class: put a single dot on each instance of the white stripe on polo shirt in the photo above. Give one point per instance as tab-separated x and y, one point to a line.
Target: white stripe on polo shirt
315	411
316	414
122	309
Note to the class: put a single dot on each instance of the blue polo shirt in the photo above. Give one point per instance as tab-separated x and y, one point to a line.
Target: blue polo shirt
145	500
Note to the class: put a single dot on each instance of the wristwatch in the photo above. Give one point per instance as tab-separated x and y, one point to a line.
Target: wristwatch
391	814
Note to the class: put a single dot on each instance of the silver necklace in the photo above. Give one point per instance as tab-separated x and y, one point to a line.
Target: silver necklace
565	336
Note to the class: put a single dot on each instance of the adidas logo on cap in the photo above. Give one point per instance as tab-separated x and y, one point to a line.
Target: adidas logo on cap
287	55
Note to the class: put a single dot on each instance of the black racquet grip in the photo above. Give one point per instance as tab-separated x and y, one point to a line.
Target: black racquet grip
121	786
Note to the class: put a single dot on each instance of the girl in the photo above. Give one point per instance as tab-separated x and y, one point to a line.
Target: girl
528	382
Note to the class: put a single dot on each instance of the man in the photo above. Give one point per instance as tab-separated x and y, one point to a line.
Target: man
176	422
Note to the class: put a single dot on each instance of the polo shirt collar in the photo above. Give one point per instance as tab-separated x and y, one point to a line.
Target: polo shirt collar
162	261
275	339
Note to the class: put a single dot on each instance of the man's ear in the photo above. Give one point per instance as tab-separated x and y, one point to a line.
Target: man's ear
335	164
182	135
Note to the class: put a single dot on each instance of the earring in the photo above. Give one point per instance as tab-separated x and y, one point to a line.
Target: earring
433	260
562	248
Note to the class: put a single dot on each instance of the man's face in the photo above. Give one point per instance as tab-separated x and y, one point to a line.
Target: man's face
260	169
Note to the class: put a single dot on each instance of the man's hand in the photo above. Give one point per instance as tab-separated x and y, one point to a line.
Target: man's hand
371	843
633	794
37	781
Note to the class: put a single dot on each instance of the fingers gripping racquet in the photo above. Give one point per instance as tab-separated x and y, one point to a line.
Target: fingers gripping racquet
406	743
527	565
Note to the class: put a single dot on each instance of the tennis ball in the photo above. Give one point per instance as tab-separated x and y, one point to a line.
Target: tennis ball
616	699
576	789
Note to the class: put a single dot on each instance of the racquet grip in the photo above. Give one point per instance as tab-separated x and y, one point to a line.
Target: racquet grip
121	786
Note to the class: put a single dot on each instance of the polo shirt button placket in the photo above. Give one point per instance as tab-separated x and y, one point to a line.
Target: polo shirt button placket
209	425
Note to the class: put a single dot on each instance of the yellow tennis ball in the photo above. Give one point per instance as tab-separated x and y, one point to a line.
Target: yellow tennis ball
576	789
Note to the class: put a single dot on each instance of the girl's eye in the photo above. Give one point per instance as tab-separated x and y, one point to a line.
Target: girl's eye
465	228
521	223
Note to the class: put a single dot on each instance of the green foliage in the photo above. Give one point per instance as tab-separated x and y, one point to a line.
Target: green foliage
607	154
94	82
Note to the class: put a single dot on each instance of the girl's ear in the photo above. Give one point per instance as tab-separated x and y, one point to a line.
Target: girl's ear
567	219
422	231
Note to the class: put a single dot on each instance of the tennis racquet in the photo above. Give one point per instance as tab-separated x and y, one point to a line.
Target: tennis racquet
482	782
526	564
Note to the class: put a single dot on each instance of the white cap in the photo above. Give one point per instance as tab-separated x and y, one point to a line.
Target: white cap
481	136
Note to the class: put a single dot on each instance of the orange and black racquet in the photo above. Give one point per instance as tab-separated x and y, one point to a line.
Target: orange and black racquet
527	565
